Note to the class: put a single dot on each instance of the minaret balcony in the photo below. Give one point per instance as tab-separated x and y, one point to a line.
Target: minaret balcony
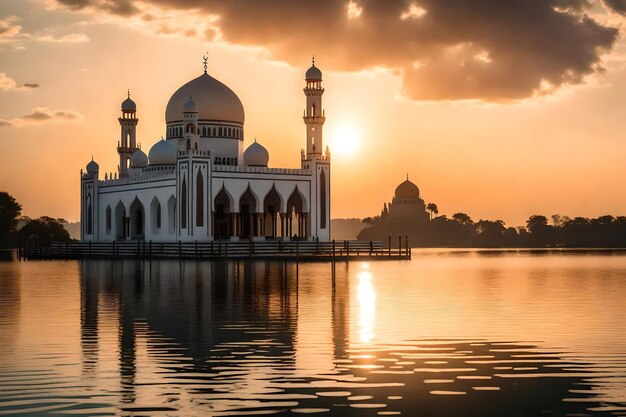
314	119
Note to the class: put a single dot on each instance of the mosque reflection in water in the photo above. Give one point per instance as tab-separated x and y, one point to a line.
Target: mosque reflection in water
242	338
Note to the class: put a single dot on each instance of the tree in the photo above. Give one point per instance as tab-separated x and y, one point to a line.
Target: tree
432	208
9	212
46	230
462	218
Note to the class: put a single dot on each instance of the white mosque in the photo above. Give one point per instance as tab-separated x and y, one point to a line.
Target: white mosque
199	184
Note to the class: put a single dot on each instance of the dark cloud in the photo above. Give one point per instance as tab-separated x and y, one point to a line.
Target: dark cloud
492	50
618	6
31	85
41	114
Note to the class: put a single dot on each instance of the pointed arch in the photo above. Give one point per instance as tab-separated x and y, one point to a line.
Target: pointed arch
121	221
247	211
296	225
199	199
322	199
137	220
220	132
271	212
183	204
221	216
107	219
171	215
89	215
155	215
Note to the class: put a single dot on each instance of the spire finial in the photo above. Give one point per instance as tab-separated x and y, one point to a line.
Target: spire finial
92	157
129	93
313	59
205	58
407	176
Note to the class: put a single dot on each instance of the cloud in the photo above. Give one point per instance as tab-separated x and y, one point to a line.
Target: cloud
8	28
618	6
489	50
12	33
40	115
7	84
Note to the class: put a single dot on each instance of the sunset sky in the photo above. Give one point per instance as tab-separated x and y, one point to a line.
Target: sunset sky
499	109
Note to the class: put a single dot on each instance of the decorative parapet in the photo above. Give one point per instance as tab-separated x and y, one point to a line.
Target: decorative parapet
146	174
261	170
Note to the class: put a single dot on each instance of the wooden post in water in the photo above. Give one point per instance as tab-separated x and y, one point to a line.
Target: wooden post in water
406	242
399	245
347	250
180	249
389	247
150	250
90	248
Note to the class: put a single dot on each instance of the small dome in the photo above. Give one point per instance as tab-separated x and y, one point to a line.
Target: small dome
129	104
190	106
138	159
407	190
92	166
313	74
163	152
256	155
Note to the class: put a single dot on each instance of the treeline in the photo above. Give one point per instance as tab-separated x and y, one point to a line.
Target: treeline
14	227
461	231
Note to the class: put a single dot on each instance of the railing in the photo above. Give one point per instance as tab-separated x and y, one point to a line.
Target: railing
277	249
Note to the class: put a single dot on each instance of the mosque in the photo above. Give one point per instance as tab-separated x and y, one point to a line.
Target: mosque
198	184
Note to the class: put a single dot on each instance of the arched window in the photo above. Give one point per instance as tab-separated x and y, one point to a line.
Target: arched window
155	210
219	133
230	132
89	216
183	204
199	199
213	132
191	128
107	216
313	110
322	200
127	145
127	162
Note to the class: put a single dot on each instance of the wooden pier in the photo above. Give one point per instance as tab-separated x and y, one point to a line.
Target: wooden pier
296	250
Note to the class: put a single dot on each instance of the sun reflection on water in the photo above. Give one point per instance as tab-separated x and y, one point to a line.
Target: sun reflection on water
366	297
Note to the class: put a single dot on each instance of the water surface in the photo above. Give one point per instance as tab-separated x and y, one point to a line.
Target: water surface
450	333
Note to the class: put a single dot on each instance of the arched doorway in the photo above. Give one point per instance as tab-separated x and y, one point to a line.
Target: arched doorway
271	210
137	220
296	222
121	222
247	215
221	216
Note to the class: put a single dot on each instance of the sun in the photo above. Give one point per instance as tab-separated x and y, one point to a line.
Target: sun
345	140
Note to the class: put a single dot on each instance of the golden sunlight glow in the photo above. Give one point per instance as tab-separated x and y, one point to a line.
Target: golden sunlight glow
367	306
344	140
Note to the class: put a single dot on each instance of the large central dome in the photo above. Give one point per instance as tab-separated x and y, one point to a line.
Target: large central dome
215	101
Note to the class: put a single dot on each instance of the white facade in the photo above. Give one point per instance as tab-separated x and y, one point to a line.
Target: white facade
199	185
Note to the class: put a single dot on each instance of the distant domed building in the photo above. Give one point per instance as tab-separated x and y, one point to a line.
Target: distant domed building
406	203
405	215
198	184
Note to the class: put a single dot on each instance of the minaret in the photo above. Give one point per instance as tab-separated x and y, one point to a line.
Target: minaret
190	120
314	116
127	144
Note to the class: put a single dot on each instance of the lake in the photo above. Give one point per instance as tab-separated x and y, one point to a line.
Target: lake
449	333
